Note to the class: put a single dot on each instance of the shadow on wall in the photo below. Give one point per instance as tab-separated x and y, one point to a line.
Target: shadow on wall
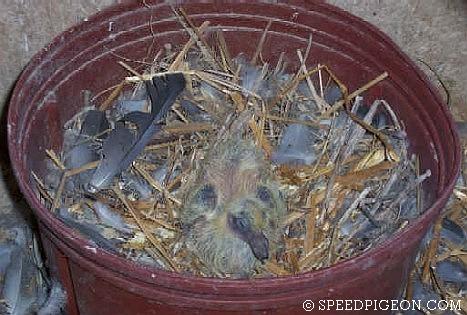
19	211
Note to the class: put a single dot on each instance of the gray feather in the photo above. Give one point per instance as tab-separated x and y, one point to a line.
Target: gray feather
454	233
128	106
136	184
5	257
450	271
119	152
78	156
115	147
332	94
94	123
110	218
17	298
88	230
55	301
296	146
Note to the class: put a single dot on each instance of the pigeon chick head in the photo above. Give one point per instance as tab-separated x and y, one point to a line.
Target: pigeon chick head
233	212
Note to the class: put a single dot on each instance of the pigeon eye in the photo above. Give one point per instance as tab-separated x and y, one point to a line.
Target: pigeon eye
242	223
264	194
207	196
239	224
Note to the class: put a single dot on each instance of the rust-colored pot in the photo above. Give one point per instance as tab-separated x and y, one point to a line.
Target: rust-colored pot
48	93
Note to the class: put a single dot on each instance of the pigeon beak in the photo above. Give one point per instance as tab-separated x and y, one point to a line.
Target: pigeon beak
259	244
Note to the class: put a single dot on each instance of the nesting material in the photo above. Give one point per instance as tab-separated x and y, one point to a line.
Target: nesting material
440	272
277	172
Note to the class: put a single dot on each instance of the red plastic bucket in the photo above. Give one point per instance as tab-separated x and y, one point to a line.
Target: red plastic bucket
48	93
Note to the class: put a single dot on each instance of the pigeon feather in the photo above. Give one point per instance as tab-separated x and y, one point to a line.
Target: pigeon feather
122	146
55	301
90	231
110	218
18	299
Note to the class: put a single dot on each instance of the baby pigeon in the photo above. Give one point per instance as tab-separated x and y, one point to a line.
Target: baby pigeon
233	209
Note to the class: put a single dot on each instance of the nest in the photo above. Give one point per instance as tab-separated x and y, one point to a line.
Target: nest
349	183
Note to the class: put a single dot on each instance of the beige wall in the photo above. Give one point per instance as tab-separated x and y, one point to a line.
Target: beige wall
432	30
28	25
